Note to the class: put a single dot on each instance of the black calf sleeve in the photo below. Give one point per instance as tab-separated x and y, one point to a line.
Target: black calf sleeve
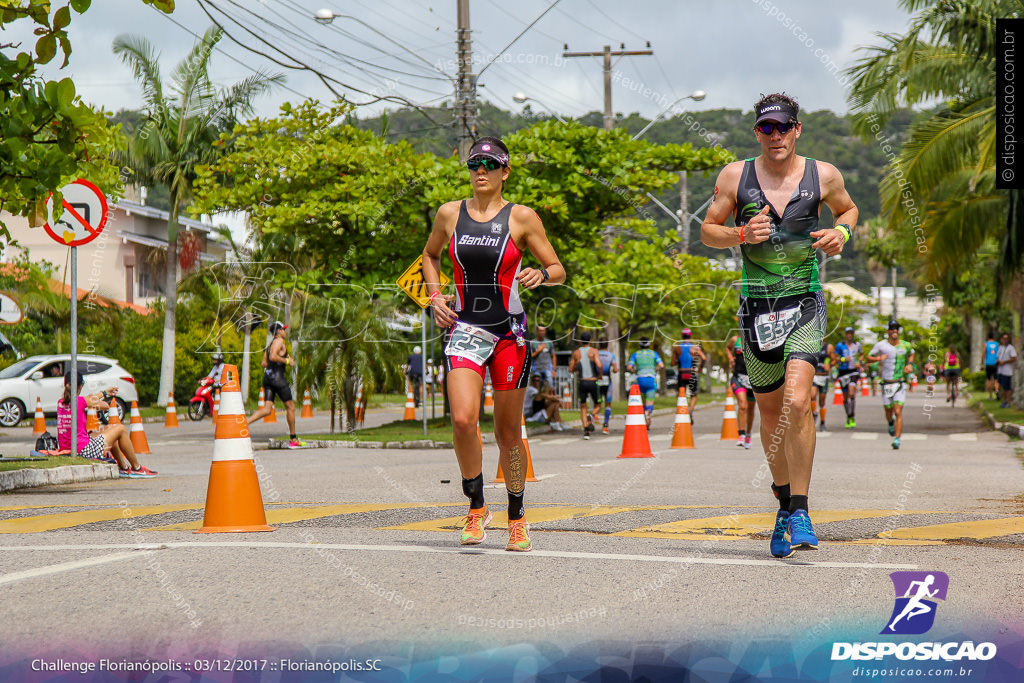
474	490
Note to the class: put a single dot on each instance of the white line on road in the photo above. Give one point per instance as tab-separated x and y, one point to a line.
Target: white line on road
68	566
966	436
865	436
475	551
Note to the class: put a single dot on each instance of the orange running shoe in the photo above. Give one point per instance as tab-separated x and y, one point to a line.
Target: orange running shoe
518	536
474	528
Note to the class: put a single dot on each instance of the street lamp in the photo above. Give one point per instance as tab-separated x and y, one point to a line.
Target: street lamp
837	257
521	98
696	96
326	16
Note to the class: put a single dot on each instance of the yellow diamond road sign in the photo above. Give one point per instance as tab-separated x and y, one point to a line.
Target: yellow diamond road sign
412	283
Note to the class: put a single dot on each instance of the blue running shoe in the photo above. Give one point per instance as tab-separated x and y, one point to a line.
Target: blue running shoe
896	444
801	533
892	429
780	547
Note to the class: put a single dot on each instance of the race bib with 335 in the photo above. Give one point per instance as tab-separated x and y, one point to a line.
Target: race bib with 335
771	329
471	342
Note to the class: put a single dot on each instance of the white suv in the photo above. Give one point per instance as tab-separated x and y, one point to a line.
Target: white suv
43	377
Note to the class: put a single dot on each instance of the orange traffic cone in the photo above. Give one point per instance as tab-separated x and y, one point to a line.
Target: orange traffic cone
171	417
136	433
39	424
307	405
730	424
837	395
113	418
216	405
913	382
92	420
410	406
864	391
566	397
530	476
233	499
634	442
489	396
682	432
360	408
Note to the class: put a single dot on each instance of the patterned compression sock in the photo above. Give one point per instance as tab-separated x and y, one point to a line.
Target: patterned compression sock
516	509
607	415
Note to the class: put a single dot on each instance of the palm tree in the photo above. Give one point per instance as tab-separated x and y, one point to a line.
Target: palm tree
943	181
180	131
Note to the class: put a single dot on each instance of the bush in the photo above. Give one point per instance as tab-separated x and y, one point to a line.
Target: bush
974	380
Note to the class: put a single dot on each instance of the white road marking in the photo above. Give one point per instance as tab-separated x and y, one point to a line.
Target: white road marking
968	436
69	566
559	442
563	554
913	436
865	436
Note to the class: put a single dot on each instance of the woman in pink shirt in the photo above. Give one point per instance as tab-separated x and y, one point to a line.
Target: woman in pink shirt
114	438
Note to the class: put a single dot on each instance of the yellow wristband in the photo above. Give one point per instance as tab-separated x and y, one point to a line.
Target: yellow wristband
845	229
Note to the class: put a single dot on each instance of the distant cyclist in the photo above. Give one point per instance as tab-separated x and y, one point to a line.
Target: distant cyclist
952	374
608	366
646	363
684	357
896	358
847	356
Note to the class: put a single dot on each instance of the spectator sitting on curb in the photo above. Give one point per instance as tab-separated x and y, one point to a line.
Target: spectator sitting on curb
542	404
114	438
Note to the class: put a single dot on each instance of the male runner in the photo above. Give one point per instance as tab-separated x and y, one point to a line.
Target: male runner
991	365
847	356
275	360
684	357
588	362
608	366
819	384
775	200
646	363
897	359
740	385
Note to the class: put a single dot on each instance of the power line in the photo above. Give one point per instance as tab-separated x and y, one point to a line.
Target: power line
613	20
520	35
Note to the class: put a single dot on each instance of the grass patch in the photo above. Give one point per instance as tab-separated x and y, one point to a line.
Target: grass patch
1011	414
42	464
438	429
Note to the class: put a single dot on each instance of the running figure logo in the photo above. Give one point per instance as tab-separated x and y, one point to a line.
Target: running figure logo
914	611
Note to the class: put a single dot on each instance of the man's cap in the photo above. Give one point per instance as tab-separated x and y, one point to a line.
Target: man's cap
687	333
417	349
488	150
67	379
776	111
277	325
586	337
848	329
644	342
893	325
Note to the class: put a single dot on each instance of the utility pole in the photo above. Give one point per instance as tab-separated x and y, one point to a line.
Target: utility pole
465	89
607	53
684	216
609	120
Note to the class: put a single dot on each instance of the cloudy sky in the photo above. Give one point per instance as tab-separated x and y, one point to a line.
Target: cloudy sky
732	49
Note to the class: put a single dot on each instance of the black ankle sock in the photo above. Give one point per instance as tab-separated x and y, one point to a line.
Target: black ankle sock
782	493
294	438
797	503
516	509
743	432
474	490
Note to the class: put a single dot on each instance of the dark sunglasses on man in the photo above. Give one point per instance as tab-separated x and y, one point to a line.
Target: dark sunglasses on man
767	127
489	164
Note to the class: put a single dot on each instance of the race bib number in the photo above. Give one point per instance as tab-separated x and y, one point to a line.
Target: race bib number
771	329
471	342
890	390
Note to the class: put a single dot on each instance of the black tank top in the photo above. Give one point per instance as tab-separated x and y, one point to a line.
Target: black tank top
737	354
485	262
819	368
274	367
784	264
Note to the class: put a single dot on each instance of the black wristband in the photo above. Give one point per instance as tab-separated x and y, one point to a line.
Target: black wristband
544	272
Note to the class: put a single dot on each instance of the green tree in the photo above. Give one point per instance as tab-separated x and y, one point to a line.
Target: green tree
181	131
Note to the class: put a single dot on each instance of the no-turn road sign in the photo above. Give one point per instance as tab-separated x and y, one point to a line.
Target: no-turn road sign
84	215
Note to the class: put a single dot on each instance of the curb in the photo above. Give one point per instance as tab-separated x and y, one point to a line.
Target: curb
68	474
281	444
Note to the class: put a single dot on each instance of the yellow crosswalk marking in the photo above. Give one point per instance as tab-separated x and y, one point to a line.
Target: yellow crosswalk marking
63	520
738	526
983	528
299	514
536	514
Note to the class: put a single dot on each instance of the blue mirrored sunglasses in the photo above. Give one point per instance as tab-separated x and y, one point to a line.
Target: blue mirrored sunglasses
767	127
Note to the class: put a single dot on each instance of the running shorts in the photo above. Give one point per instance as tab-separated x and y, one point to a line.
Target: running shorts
848	376
276	385
893	393
776	331
820	381
990	371
509	364
588	388
742	383
950	373
647	385
688	380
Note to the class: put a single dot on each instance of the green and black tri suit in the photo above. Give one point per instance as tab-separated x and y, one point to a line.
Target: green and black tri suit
783	304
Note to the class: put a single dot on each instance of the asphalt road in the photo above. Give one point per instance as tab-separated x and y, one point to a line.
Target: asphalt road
661	553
